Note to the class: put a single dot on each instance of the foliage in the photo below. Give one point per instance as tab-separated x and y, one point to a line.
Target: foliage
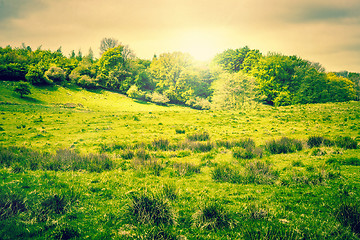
56	75
233	90
22	88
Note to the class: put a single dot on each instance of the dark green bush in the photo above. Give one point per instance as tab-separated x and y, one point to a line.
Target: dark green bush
346	142
284	145
212	216
148	208
315	141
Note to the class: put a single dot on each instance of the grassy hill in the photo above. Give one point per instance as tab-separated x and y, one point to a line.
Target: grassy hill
98	165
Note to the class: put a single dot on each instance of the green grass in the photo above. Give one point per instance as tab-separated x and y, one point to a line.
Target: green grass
98	165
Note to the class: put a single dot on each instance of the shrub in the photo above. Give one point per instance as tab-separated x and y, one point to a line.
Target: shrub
148	208
284	145
199	136
315	141
186	169
36	76
87	82
346	142
212	216
159	98
55	74
199	103
348	214
136	93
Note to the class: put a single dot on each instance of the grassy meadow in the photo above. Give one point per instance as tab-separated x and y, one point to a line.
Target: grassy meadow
76	164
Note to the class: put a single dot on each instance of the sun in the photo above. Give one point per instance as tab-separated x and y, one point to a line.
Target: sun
200	44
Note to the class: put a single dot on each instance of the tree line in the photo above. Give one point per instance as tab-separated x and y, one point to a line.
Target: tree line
233	79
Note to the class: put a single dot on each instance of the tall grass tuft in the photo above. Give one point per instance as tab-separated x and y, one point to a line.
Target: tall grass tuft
160	144
211	216
186	169
348	214
11	204
148	208
315	141
199	136
346	142
284	145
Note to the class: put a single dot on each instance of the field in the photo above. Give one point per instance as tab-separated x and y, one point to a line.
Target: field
98	165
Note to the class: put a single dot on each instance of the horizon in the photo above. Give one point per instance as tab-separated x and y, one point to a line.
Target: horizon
325	32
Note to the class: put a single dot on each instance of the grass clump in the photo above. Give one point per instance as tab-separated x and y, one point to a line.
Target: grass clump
11	204
315	141
148	208
243	153
284	145
348	214
160	144
212	216
346	142
186	169
254	172
169	191
199	136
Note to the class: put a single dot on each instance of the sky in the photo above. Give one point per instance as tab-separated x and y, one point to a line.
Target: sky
324	31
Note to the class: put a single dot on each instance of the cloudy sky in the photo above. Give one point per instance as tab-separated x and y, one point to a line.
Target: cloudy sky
325	31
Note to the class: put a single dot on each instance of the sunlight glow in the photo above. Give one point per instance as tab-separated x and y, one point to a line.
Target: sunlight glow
200	44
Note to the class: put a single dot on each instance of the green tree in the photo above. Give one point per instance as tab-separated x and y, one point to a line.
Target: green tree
174	75
233	90
22	88
340	88
114	71
232	60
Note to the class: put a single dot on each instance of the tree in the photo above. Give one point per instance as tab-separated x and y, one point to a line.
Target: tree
114	71
22	88
107	43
